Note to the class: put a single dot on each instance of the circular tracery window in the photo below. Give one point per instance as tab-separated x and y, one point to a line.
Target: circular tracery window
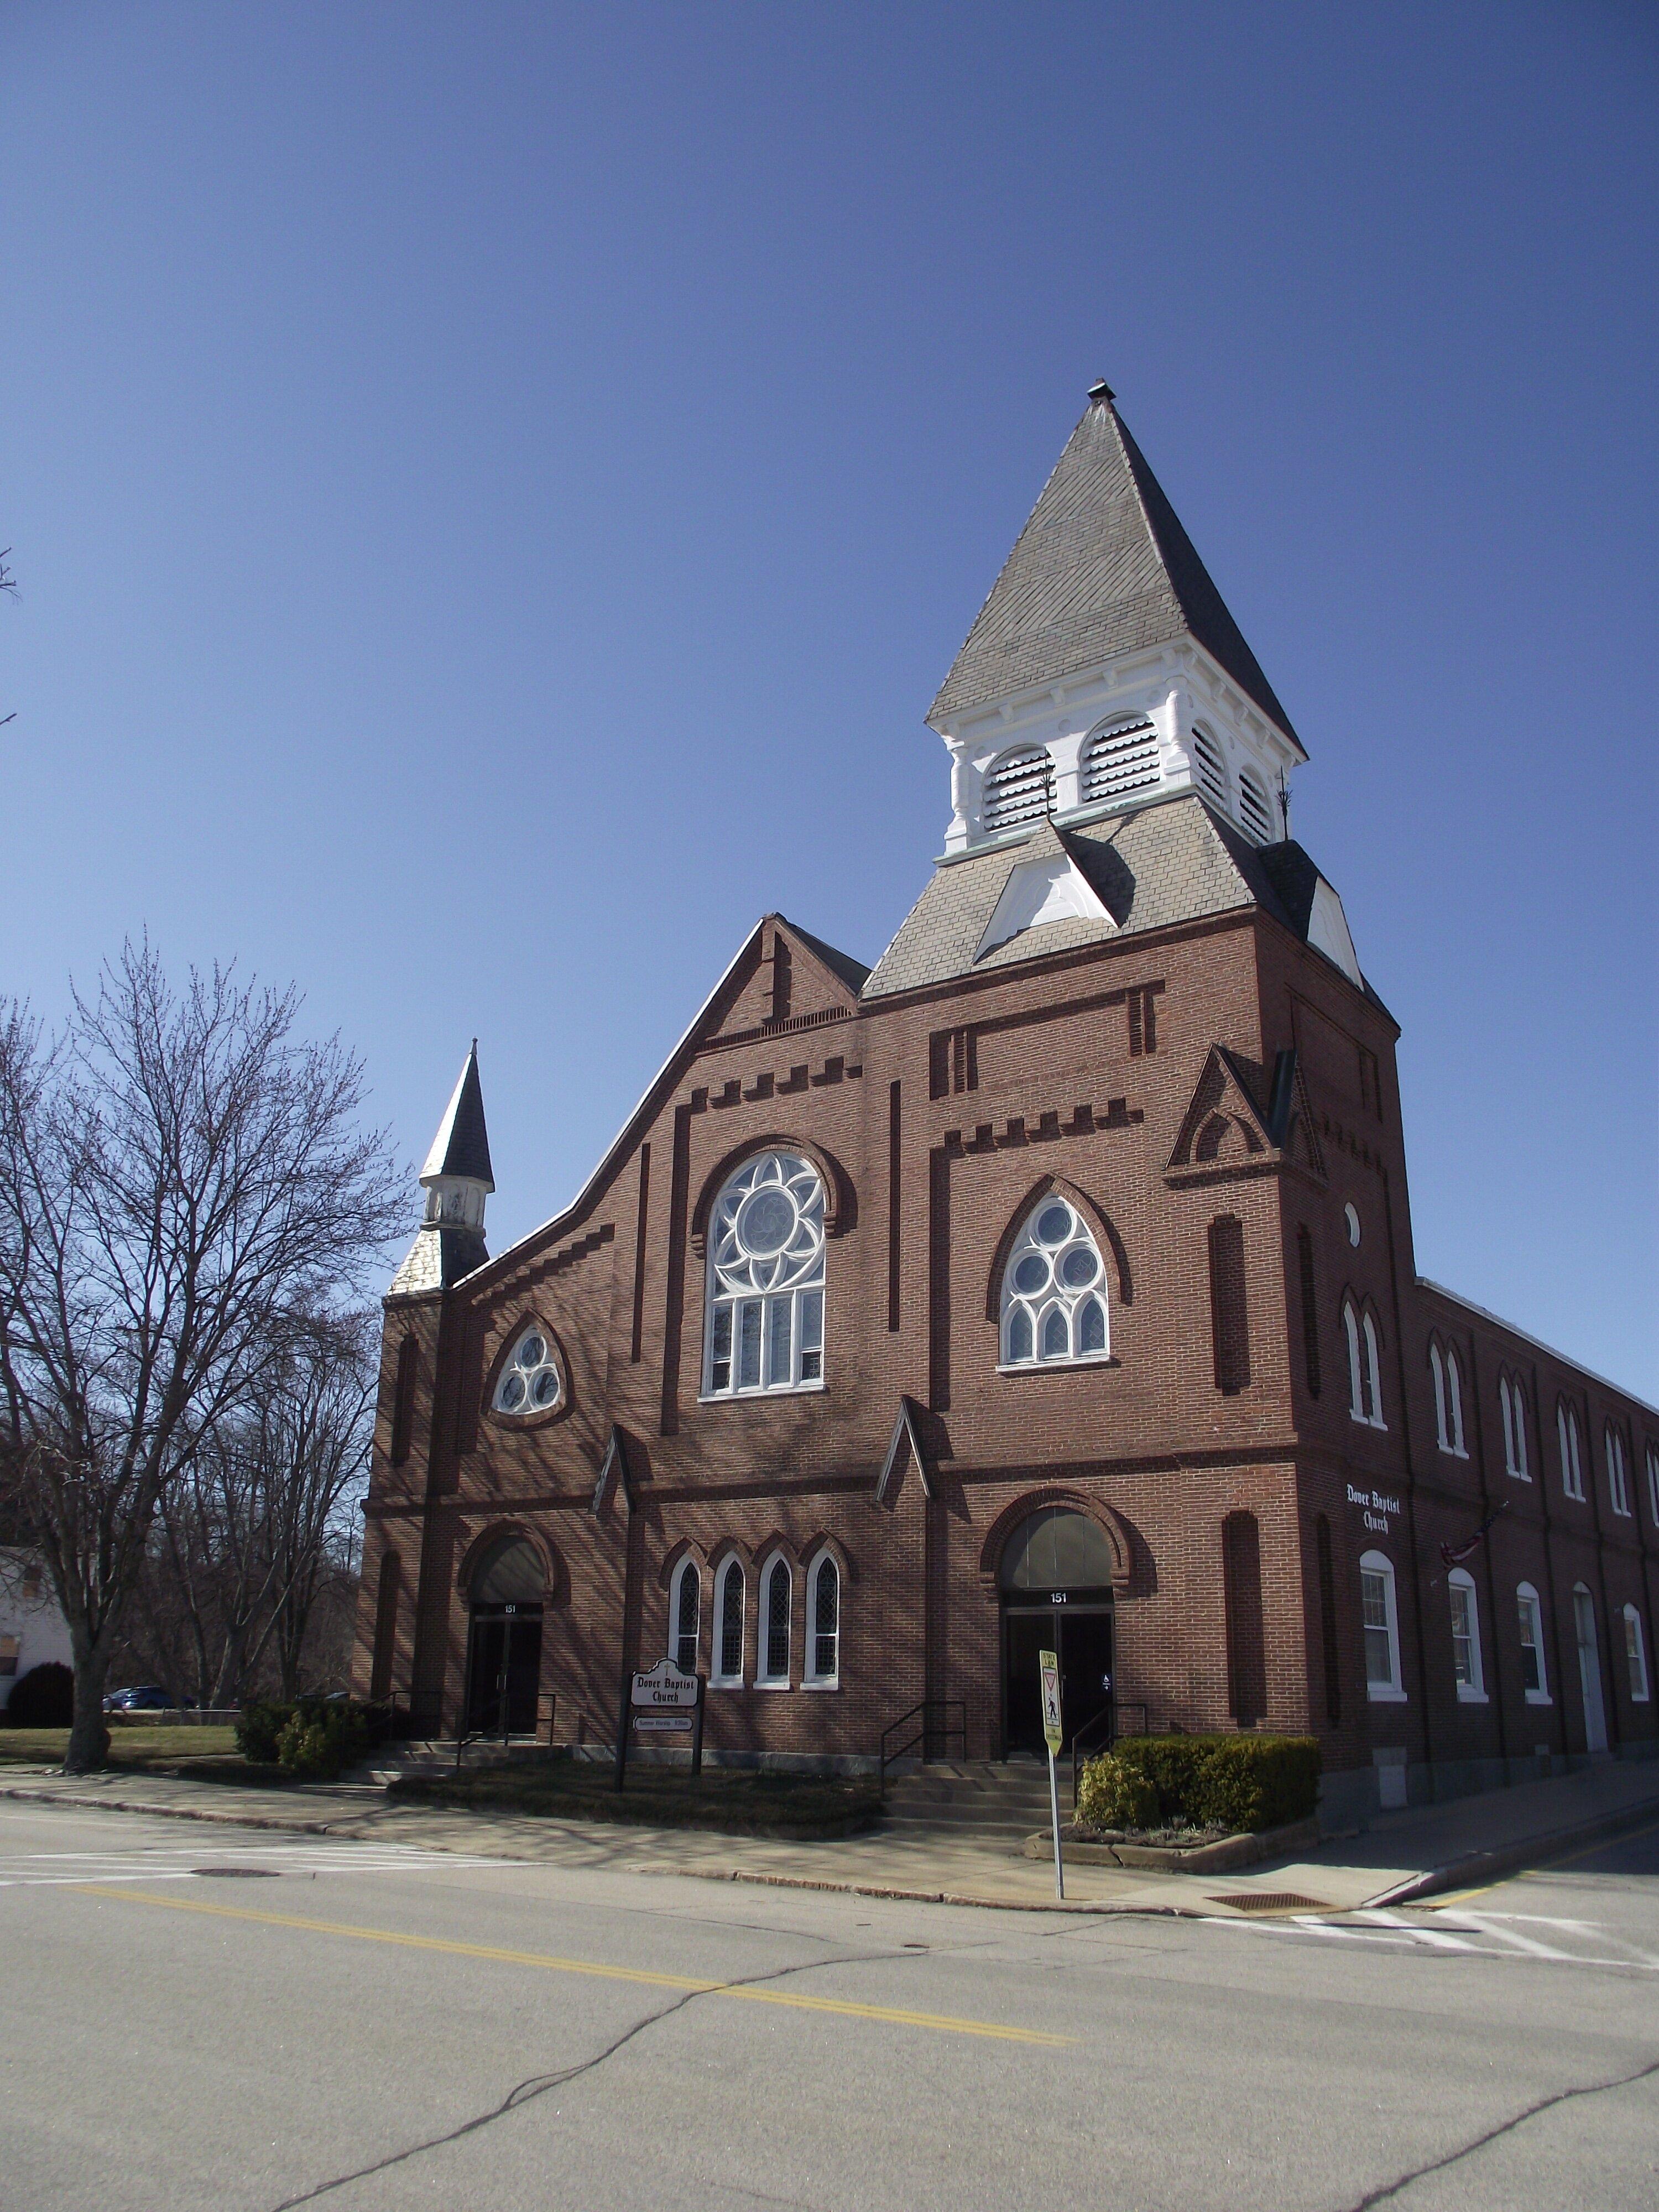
1054	1301
766	1277
529	1381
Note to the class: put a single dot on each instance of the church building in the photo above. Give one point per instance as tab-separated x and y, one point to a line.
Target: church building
1048	1284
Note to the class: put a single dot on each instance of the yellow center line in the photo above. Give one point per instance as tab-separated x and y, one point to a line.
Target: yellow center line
746	1994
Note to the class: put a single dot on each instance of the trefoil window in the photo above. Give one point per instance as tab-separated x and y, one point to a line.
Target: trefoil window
766	1280
1054	1291
529	1383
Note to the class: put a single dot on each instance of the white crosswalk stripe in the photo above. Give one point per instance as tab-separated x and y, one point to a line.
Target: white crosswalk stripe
1474	1935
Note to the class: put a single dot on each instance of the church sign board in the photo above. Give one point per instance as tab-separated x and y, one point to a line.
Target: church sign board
662	1700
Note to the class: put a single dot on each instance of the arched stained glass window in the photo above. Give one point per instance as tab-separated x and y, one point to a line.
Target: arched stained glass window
777	1592
685	1603
824	1630
765	1328
728	1657
1056	1548
1054	1290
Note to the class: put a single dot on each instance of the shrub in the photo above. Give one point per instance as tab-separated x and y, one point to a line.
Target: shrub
1110	1794
257	1730
322	1738
1240	1783
44	1698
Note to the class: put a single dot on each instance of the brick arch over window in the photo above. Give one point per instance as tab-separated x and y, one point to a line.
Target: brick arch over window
686	1547
822	1541
557	1576
840	1198
1110	1522
1105	1234
730	1547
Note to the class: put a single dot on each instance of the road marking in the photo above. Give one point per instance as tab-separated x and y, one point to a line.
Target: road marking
1544	1872
1485	1924
691	1985
179	1861
1432	1936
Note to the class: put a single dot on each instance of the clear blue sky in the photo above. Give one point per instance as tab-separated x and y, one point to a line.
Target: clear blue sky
494	490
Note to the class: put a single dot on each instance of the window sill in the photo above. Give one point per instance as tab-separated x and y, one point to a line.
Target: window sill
774	1685
1057	1366
749	1397
820	1687
1540	1697
1517	1475
1466	1696
1380	1694
1452	1451
726	1682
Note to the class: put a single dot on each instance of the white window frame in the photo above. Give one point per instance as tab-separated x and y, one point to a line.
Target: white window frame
1530	1613
811	1678
804	1291
1437	1371
530	1374
764	1677
1471	1691
1653	1482
1635	1656
1392	1692
731	1565
1513	1405
1617	1489
1373	1370
1054	1296
1572	1465
688	1566
1355	1371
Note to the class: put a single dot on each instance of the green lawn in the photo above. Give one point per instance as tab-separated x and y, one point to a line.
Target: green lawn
134	1745
723	1798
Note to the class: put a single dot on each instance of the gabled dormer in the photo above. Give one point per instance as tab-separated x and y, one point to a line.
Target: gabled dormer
1104	670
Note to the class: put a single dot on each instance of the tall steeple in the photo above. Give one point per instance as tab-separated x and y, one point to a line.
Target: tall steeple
1105	623
457	1180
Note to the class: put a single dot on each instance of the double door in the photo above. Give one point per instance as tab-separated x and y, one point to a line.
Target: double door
504	1670
1080	1630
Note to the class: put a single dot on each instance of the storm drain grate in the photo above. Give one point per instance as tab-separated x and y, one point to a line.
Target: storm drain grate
239	1873
1271	1900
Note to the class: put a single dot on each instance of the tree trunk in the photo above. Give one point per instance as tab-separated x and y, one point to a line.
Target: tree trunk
88	1743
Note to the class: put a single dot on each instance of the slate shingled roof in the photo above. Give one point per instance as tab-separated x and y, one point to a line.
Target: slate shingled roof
1172	861
461	1146
1103	566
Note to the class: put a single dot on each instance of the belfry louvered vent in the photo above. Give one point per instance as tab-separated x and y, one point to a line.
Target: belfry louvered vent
1212	776
1254	810
1118	761
1020	788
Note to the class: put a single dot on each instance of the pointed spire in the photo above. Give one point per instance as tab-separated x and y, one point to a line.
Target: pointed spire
1103	566
461	1147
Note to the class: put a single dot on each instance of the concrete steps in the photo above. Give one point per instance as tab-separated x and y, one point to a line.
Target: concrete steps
999	1803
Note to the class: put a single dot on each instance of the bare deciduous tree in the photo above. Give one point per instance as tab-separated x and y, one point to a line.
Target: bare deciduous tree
184	1187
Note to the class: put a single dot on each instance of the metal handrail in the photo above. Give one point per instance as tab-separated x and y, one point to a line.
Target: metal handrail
930	1732
1091	1730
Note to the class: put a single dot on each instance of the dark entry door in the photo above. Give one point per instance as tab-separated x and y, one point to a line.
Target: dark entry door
1082	1635
505	1674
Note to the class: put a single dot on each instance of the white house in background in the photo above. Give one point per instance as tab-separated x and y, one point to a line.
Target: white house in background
32	1628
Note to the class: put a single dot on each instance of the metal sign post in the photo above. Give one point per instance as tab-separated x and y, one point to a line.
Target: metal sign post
1048	1663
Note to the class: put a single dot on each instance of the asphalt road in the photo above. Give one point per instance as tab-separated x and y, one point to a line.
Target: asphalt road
204	2017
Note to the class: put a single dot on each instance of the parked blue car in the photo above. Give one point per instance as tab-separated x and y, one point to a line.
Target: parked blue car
147	1697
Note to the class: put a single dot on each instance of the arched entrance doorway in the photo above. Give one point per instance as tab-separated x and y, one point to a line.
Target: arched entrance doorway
504	1647
1055	1580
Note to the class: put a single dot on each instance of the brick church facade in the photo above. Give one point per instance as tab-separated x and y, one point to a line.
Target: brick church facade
1049	1284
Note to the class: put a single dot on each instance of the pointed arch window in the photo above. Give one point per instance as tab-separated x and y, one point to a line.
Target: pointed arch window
1211	768
1019	786
1618	1488
1513	1407
765	1326
1054	1291
684	1610
824	1623
777	1596
1448	1401
1572	1462
729	1595
1365	1366
1254	809
1117	761
1653	1483
1635	1656
529	1381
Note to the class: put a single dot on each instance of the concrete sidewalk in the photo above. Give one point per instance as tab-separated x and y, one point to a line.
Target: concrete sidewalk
1401	1855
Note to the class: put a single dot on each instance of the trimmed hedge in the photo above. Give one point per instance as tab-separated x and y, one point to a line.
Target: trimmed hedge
44	1698
1242	1783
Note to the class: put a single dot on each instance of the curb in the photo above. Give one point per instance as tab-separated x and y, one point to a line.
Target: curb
1492	1866
170	1812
